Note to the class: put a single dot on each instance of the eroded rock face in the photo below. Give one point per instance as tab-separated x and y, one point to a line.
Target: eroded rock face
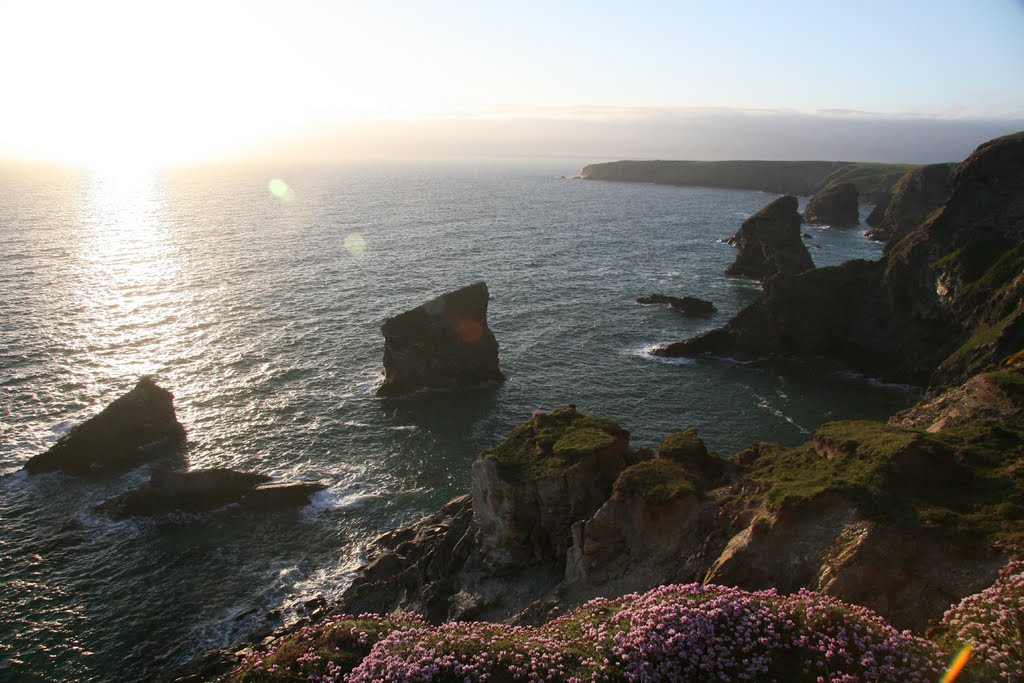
914	196
552	472
442	344
132	429
204	490
769	242
835	205
687	305
878	211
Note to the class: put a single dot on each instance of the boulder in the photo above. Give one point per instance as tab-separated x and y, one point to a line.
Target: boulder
914	196
835	205
442	344
688	305
204	490
135	427
769	242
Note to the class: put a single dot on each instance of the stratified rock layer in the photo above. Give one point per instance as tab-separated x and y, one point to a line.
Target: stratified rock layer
769	242
133	428
835	205
442	344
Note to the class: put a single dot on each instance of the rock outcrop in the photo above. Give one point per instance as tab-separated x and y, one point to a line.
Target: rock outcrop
941	305
135	427
687	305
204	490
442	344
835	205
769	242
878	210
913	197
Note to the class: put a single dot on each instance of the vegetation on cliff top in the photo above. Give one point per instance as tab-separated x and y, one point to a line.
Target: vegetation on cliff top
551	442
657	481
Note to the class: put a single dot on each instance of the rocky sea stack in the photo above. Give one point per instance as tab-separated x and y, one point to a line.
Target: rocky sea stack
835	205
769	242
135	427
687	305
442	344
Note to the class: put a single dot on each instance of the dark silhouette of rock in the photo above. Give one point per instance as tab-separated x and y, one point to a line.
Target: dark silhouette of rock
835	205
941	305
442	344
132	429
878	211
204	490
769	242
688	305
914	196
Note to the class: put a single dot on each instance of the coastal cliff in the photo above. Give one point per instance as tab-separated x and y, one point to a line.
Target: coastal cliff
778	177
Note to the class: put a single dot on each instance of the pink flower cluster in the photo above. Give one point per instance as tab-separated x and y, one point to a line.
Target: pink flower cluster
673	633
993	622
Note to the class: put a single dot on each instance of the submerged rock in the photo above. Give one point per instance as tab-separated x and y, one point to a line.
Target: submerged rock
688	305
204	490
835	204
135	427
769	242
442	344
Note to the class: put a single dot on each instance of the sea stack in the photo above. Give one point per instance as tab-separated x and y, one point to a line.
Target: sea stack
769	242
835	205
133	428
442	344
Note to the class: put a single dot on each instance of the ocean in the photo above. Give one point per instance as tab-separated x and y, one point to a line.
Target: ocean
255	294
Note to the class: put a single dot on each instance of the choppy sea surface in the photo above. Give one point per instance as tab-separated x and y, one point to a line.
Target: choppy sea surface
258	304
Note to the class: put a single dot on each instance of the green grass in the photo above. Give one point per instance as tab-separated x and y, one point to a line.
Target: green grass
657	481
552	442
964	480
682	444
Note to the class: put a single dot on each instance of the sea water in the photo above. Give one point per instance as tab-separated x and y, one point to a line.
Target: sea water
256	293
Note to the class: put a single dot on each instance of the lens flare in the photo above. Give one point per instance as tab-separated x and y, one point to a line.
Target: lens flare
355	244
281	190
469	330
958	664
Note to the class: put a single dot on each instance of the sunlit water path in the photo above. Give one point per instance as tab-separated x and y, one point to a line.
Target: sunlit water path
260	309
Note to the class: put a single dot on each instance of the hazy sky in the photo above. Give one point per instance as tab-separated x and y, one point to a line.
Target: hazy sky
166	81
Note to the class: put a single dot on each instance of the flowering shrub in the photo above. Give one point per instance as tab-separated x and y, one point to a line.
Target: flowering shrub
993	622
673	633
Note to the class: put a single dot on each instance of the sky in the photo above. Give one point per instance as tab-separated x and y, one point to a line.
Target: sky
160	81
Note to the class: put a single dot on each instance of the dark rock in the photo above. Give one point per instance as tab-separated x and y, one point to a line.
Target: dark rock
135	427
282	495
194	491
917	194
769	242
878	211
688	305
835	205
940	306
442	344
807	236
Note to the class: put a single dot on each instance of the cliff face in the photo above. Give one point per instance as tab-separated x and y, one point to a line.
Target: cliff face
778	177
941	305
835	205
769	242
913	197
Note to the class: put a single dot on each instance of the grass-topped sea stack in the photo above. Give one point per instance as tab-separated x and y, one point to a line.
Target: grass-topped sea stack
442	344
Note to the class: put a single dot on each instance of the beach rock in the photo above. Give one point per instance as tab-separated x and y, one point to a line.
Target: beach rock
688	305
769	242
135	427
914	196
547	475
442	344
280	495
835	205
878	211
204	490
